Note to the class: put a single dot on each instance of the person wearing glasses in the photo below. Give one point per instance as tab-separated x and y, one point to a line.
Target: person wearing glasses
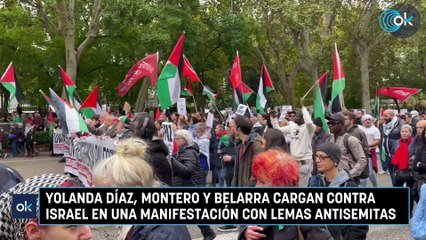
276	168
327	158
353	159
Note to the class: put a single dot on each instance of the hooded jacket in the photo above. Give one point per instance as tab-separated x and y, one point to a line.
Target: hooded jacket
292	232
343	179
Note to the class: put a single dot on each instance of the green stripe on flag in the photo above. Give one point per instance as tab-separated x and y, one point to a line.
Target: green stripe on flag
164	95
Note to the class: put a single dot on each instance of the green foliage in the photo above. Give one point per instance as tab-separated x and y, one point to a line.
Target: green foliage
129	30
43	137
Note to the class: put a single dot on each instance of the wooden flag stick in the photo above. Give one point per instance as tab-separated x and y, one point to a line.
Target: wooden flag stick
310	89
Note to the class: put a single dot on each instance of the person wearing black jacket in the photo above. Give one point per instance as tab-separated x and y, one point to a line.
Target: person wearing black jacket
419	164
158	159
187	170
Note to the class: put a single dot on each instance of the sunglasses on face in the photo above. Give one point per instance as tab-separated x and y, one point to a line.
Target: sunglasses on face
332	123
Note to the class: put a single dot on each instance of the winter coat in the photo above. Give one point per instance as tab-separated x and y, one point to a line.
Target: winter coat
420	156
292	232
186	167
159	162
215	161
344	232
243	165
159	232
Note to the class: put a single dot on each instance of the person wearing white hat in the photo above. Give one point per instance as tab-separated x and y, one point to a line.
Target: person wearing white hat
415	115
373	139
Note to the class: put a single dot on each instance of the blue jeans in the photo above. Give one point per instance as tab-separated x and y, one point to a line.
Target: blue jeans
14	148
372	176
221	176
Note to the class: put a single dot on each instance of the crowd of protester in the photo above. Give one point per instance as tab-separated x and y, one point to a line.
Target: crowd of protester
258	150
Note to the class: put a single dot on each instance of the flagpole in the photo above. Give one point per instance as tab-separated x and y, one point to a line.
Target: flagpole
195	105
310	89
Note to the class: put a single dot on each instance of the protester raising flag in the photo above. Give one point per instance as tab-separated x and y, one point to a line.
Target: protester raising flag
210	94
71	121
90	106
265	86
320	100
189	72
168	86
338	84
145	67
9	81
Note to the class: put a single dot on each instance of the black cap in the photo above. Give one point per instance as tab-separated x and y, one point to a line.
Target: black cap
336	117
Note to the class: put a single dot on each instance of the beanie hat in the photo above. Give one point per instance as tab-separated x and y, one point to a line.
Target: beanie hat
318	122
332	150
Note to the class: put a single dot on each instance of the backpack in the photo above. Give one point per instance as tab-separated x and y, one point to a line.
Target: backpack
366	172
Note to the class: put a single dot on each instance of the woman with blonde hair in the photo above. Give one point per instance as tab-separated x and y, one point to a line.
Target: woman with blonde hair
128	167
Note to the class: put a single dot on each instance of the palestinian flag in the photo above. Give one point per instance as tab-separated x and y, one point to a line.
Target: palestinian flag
90	106
338	84
168	86
224	138
320	100
187	91
8	81
210	94
265	86
242	94
69	86
188	71
71	121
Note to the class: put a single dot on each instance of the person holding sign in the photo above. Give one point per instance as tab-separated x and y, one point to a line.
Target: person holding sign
275	168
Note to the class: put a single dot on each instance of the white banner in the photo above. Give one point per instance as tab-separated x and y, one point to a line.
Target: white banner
168	136
181	106
209	121
84	154
59	142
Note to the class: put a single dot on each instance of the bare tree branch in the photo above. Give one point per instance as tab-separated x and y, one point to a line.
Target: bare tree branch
93	28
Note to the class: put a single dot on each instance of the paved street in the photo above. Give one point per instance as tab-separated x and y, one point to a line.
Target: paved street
45	164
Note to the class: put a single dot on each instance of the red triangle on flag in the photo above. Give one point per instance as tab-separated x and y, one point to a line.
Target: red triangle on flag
188	71
92	100
177	51
67	81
